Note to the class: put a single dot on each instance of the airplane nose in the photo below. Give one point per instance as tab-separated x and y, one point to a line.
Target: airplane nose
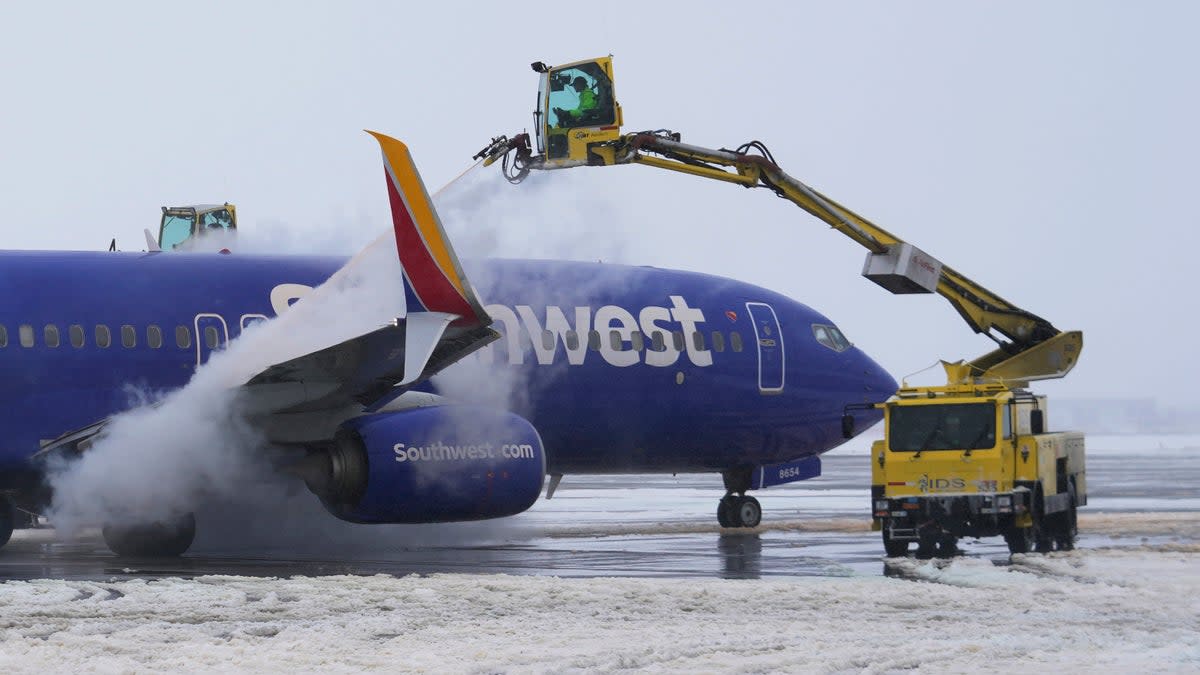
878	384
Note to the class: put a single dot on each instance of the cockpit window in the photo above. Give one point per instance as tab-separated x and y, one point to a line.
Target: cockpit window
830	337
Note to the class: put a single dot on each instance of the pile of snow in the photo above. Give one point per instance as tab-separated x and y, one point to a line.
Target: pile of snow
1125	610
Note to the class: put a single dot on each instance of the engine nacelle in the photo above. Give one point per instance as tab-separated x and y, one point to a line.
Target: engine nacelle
431	465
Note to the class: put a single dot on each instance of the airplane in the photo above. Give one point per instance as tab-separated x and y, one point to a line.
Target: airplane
613	369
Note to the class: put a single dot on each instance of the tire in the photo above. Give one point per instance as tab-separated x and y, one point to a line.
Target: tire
894	548
749	512
926	547
1068	529
1045	542
1021	539
154	540
1042	525
725	511
7	520
948	547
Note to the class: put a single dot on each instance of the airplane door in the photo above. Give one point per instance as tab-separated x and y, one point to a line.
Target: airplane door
211	334
770	347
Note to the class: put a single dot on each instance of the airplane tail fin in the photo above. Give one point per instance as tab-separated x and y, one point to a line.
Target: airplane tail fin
434	279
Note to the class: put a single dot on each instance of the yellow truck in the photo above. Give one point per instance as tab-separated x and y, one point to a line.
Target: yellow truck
974	461
971	458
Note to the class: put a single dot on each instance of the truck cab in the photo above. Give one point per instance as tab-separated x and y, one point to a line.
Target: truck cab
577	109
182	226
974	460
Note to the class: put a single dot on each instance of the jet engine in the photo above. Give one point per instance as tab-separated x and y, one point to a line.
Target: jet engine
429	465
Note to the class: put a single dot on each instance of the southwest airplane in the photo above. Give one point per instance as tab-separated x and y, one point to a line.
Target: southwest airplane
620	370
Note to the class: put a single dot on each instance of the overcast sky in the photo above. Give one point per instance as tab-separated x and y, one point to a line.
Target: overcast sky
1045	149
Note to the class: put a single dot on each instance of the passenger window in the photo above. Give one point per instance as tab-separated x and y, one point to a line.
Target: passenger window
76	334
210	336
252	320
615	341
639	343
698	341
735	341
677	338
547	339
154	336
594	340
3	336
26	332
572	340
128	336
659	341
50	334
103	337
718	339
183	337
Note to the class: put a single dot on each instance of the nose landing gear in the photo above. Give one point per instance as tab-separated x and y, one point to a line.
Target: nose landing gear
736	509
739	511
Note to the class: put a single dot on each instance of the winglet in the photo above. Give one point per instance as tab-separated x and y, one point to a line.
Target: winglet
435	279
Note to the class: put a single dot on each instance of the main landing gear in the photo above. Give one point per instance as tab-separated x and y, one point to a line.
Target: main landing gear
167	539
7	519
736	509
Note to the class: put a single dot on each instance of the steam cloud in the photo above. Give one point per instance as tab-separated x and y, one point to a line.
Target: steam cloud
156	462
192	449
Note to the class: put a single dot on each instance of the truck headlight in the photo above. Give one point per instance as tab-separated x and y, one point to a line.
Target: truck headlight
1004	500
881	505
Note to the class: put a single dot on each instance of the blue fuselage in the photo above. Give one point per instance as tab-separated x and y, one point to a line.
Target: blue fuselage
620	369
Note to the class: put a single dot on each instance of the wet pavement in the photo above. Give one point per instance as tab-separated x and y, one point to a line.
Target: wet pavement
643	526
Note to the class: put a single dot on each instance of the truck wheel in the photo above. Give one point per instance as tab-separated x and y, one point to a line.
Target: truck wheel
1021	539
1068	528
948	547
894	548
926	547
1045	542
1044	527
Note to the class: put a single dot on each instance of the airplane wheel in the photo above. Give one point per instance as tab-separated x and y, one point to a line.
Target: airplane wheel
727	511
7	520
749	512
154	540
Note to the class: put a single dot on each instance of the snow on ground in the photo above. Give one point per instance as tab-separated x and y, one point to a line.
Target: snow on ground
1118	609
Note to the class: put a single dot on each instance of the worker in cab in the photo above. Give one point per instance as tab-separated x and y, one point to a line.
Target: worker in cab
587	102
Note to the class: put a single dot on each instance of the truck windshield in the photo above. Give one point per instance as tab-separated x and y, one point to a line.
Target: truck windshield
959	426
579	96
176	227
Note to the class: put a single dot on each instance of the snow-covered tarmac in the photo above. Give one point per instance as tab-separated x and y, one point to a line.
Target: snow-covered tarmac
1125	610
809	592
